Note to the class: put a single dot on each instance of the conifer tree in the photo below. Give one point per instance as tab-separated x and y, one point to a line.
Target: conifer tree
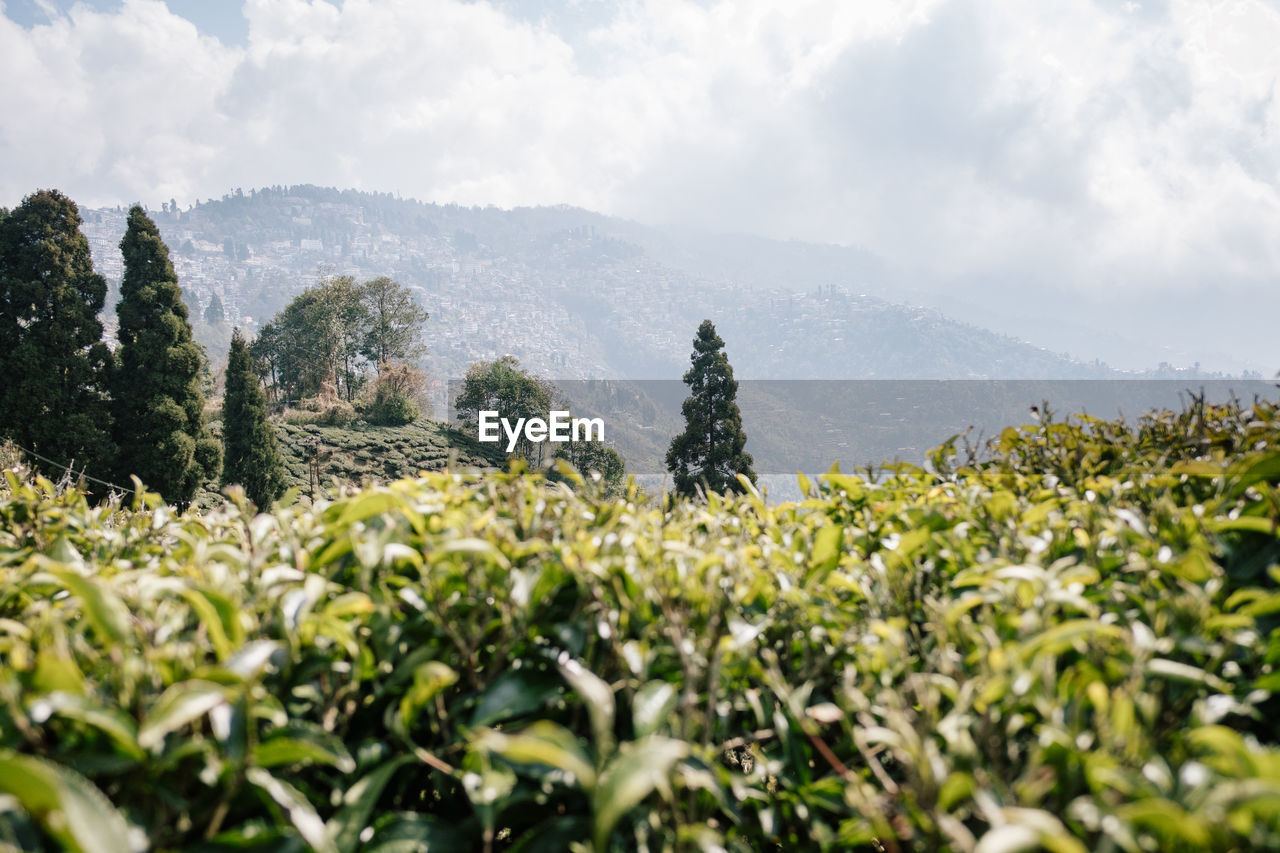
157	400
709	453
54	364
250	455
214	313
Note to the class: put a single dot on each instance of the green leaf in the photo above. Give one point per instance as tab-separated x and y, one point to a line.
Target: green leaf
1196	468
358	803
1064	635
640	768
251	659
182	703
428	680
652	706
1178	671
301	814
105	612
546	743
410	832
1246	524
600	705
68	806
369	504
117	725
56	671
1166	818
479	547
554	836
215	621
1252	470
825	555
514	694
277	751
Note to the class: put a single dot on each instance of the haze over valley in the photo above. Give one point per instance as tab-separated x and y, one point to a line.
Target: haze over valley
574	294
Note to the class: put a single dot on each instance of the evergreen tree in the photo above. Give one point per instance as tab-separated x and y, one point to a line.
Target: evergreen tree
214	313
54	366
250	456
709	453
156	395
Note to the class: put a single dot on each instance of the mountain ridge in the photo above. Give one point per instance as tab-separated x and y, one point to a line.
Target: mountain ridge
573	293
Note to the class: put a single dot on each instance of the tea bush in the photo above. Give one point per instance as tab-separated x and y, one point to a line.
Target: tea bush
1070	645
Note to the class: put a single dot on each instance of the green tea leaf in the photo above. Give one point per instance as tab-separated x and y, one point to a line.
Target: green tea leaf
640	768
546	743
68	806
301	813
181	704
105	611
601	707
358	803
652	707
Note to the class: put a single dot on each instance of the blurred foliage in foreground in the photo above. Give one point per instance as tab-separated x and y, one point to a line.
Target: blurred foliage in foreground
1070	646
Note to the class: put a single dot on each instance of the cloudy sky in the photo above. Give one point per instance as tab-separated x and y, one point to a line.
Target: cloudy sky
1099	176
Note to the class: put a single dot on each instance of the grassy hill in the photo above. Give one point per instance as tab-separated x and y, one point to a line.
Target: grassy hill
360	454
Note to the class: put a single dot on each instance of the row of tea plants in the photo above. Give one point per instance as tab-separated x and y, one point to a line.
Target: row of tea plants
1066	643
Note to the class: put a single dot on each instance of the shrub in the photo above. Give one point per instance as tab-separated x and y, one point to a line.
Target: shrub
391	410
338	413
395	396
991	656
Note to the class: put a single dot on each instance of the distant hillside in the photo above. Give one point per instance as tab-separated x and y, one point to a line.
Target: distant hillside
572	293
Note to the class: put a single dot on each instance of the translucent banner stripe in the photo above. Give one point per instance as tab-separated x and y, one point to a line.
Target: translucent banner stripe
807	425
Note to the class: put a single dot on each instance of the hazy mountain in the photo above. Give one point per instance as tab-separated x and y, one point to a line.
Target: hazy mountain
572	293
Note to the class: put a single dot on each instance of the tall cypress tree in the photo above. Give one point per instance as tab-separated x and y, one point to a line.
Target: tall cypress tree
250	455
54	364
156	396
709	453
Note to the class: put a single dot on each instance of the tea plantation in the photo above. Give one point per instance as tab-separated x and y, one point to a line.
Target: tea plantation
1069	645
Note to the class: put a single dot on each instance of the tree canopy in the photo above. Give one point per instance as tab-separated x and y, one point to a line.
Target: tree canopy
503	386
337	332
250	456
394	323
157	401
54	365
709	454
595	459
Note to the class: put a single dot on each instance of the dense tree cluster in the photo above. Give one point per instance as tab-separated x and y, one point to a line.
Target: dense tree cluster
54	365
338	333
503	386
597	461
64	396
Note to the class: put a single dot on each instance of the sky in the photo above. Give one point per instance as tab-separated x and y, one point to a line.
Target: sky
1101	177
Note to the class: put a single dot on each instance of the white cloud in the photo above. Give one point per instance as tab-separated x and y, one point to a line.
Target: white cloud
1099	146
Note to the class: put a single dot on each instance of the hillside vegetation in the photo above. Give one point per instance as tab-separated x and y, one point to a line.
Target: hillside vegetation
1070	647
359	453
575	294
